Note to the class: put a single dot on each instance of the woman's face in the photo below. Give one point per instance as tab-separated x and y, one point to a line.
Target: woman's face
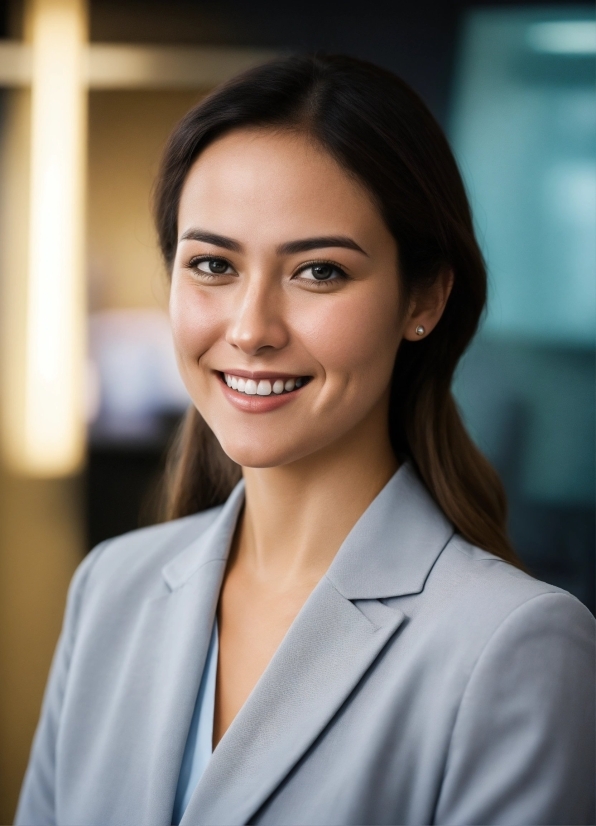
285	302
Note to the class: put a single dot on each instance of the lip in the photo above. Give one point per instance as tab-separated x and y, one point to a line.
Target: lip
259	404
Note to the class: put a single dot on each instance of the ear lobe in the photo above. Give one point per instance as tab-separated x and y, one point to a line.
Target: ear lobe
428	308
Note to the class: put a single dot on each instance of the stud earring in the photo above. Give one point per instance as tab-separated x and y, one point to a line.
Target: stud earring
420	331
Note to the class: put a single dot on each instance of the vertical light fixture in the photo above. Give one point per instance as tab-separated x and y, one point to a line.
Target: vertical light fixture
53	422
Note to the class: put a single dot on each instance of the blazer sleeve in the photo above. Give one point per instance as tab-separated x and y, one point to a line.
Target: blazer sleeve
37	799
522	747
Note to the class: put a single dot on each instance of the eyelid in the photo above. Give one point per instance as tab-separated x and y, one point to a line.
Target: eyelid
198	259
342	274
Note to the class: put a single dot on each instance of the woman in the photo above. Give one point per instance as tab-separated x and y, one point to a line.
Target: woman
347	627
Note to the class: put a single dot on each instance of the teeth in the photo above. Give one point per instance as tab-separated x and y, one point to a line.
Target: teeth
262	388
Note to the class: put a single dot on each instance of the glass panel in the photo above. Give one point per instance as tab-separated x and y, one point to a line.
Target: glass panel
524	131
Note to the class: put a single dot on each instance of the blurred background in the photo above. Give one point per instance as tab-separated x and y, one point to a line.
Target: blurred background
89	394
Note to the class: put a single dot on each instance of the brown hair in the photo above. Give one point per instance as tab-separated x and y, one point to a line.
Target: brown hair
379	130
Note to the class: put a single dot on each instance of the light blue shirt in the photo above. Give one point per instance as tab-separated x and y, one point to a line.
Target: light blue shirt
199	743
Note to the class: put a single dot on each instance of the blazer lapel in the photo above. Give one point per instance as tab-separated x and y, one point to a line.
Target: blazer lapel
167	658
327	650
172	640
334	640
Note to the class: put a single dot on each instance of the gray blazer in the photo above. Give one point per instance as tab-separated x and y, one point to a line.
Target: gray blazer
424	681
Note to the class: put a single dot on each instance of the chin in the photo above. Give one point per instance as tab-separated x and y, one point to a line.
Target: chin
256	454
253	456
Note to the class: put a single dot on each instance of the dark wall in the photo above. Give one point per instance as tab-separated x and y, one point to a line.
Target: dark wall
417	40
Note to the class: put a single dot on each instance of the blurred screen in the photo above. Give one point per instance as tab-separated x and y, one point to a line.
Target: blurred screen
134	381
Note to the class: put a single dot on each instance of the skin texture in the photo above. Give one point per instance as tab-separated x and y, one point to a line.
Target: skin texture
313	464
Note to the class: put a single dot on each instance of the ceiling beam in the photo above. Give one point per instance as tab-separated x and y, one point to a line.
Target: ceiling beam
121	66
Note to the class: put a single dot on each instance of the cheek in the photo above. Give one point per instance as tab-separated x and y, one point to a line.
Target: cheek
355	338
195	319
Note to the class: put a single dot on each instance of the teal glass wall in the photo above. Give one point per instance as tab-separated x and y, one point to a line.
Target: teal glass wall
524	131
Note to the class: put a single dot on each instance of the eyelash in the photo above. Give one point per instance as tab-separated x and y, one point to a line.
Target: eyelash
341	274
194	262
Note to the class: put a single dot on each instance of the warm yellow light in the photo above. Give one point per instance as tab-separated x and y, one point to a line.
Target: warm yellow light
53	426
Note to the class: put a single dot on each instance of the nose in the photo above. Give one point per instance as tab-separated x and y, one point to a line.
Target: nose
257	322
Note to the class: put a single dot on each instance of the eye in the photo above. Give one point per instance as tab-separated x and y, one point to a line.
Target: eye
212	266
321	271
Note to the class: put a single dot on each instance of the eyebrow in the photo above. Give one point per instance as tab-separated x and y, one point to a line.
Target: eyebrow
307	244
289	248
212	238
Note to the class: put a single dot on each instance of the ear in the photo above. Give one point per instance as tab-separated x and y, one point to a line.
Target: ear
427	308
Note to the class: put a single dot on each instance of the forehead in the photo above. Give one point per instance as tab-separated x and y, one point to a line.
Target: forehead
273	182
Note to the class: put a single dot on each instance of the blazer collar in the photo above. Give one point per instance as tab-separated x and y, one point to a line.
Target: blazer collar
212	545
389	552
391	549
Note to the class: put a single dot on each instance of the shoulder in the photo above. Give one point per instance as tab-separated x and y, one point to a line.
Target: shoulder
471	600
494	581
133	562
525	696
482	594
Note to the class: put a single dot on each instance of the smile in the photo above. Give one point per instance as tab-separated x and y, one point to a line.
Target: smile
264	386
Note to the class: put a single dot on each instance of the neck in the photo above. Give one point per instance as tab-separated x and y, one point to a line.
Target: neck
297	516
